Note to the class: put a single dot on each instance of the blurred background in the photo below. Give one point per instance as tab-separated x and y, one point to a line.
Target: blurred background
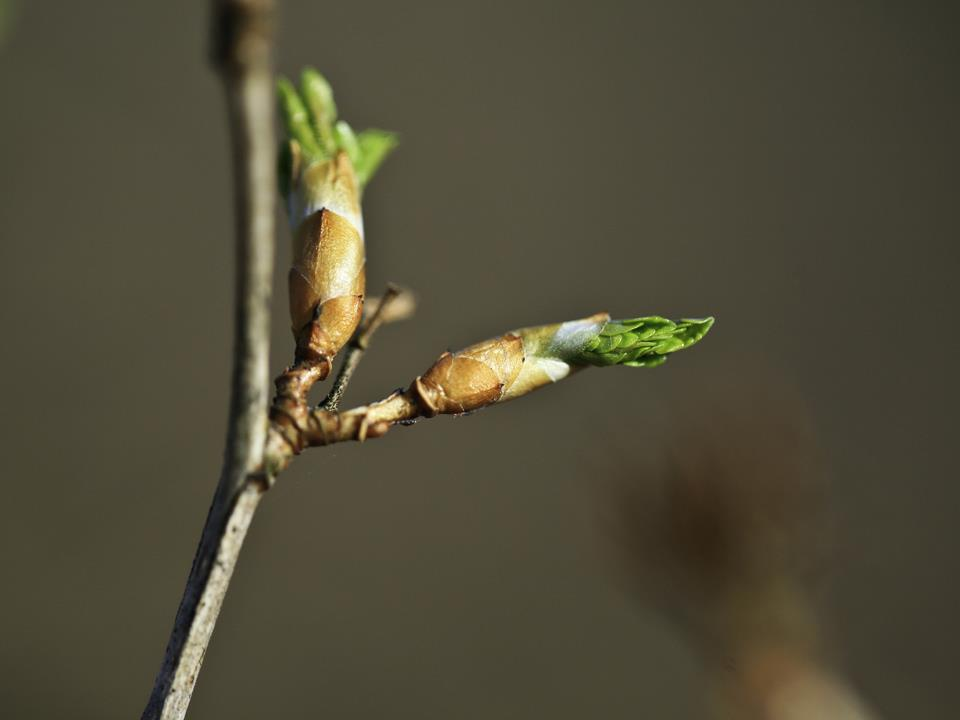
791	168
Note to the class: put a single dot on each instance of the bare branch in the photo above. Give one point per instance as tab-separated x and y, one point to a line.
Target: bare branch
317	428
396	304
400	308
243	31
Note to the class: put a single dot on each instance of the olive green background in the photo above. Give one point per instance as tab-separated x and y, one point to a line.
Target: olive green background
790	167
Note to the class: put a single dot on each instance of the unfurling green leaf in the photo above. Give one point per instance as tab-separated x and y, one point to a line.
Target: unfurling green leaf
310	119
641	342
343	134
374	146
318	97
296	119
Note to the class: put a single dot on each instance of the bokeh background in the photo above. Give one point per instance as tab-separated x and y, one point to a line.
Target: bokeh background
791	168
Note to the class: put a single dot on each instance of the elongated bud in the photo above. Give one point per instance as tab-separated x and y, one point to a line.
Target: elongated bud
523	360
327	279
322	189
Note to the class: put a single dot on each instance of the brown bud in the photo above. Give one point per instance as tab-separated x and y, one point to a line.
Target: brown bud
470	379
327	278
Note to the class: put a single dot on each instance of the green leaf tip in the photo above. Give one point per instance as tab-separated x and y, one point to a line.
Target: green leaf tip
296	120
310	120
642	342
373	146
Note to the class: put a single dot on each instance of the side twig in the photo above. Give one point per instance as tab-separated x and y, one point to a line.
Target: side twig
242	40
319	427
396	304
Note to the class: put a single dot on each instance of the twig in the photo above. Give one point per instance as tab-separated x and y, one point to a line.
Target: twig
382	313
400	308
361	423
317	428
242	31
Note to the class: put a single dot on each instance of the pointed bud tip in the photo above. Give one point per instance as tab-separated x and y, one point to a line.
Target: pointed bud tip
317	89
290	102
692	330
642	341
312	75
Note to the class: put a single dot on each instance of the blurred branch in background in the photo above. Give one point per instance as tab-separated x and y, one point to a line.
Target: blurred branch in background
242	47
725	539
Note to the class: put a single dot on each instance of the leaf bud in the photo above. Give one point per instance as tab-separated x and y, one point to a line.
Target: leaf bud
321	184
523	360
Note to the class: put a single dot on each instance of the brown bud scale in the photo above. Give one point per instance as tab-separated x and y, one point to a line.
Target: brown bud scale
327	280
470	379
